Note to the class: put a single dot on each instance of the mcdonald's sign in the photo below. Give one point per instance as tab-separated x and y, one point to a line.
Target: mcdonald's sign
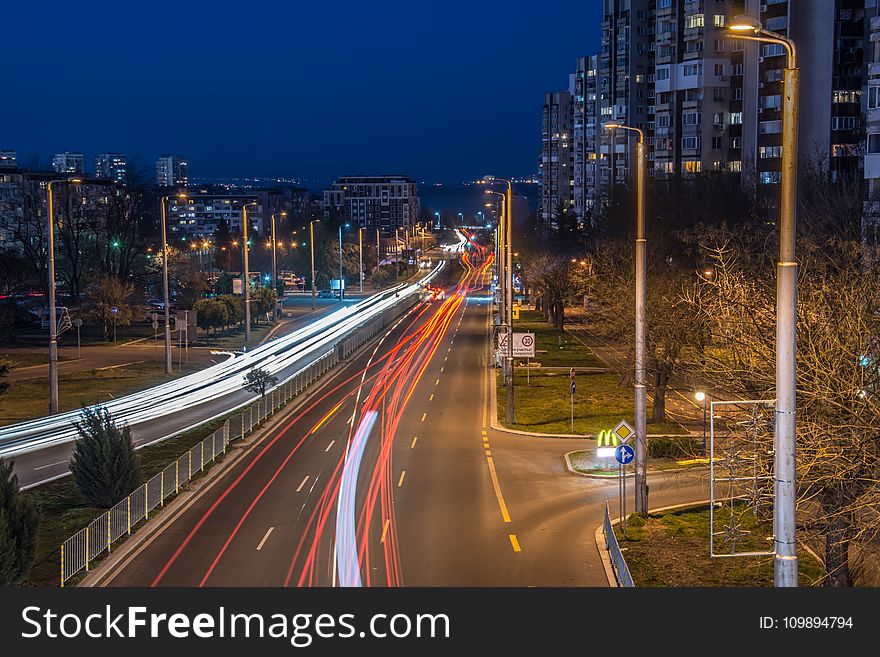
607	438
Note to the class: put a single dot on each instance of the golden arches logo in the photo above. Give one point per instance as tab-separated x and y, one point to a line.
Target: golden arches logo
607	438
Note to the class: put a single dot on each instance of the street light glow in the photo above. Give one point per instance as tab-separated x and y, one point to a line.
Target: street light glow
700	395
745	24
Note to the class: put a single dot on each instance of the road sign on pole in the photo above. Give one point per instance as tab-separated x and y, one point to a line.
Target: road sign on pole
573	388
624	431
523	345
624	454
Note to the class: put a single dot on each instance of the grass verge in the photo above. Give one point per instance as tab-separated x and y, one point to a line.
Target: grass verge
549	351
543	406
672	549
585	461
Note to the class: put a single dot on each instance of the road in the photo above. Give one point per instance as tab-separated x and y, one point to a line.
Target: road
391	476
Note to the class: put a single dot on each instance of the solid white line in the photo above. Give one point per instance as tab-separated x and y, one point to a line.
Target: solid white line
302	483
43	467
269	531
330	445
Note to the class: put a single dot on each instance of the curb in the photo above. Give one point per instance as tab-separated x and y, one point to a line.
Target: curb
649	471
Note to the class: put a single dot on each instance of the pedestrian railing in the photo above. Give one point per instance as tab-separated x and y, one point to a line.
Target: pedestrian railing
621	571
80	550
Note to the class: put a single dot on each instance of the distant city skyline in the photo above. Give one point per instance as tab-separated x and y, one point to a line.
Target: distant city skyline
439	94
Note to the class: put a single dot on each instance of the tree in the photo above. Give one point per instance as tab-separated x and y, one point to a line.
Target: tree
551	275
189	282
108	293
234	308
104	465
19	521
263	300
211	314
259	380
4	370
378	277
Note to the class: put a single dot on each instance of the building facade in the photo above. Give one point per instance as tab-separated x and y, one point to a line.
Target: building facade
112	166
68	163
374	202
8	159
557	158
172	171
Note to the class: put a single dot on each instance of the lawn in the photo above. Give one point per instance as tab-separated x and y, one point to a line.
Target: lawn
63	511
672	549
543	406
548	350
27	359
29	398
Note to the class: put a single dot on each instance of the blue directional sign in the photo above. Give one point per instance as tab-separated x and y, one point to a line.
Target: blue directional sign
624	454
573	388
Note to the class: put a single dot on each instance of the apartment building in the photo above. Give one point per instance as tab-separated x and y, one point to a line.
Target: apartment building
68	163
112	166
374	202
172	171
557	158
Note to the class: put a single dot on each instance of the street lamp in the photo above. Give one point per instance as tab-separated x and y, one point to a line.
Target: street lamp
785	565
700	396
341	284
312	245
53	322
246	274
275	262
361	256
510	411
641	407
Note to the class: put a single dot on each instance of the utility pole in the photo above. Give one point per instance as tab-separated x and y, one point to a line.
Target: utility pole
361	254
246	276
312	245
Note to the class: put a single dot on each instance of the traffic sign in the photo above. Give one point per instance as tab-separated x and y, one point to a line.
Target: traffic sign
624	454
515	312
502	341
523	345
573	388
624	430
114	310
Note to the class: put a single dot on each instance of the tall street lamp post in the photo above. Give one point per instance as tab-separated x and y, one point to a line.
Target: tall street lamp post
341	282
785	565
312	245
275	262
701	397
510	410
53	320
641	419
361	256
246	275
166	300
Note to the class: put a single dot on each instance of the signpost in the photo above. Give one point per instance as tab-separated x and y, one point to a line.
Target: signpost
623	454
524	347
115	311
573	388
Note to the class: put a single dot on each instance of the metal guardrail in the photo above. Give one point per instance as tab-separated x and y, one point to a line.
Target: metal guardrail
621	571
80	550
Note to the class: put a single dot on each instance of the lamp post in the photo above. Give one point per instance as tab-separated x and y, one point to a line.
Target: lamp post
341	282
53	321
246	275
510	410
165	295
785	565
312	245
378	249
641	420
361	256
275	262
701	397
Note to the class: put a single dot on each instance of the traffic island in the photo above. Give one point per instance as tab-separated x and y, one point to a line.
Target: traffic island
671	549
586	463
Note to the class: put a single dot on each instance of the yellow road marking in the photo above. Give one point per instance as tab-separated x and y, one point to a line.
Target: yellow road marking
415	438
515	543
488	453
437	382
385	530
431	398
442	367
504	514
328	416
400	481
424	415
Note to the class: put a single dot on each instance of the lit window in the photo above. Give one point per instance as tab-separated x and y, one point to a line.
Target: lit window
719	20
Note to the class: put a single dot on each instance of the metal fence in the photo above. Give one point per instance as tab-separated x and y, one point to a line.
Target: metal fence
621	571
80	550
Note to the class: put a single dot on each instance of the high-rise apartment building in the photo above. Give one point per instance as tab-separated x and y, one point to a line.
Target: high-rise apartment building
172	171
557	158
68	163
383	202
585	130
871	109
112	166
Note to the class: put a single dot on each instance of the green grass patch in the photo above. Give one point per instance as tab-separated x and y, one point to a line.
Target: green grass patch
63	511
672	549
550	351
29	398
543	406
27	359
232	338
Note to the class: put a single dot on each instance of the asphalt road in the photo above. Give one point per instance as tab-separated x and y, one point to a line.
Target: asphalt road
426	495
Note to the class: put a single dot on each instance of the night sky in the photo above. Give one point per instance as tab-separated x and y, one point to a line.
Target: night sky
442	91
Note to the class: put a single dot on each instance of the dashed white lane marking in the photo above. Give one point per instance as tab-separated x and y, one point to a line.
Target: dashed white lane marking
302	483
265	538
330	445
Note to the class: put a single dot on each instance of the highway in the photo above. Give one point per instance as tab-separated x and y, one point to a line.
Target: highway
391	476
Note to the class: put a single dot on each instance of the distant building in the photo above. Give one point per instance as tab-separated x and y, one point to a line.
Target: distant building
383	202
112	166
8	159
557	193
172	171
68	163
204	210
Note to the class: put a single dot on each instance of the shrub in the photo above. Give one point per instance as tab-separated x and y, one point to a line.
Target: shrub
18	528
